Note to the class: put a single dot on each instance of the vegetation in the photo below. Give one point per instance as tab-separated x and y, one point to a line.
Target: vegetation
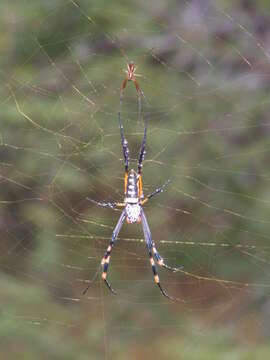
205	73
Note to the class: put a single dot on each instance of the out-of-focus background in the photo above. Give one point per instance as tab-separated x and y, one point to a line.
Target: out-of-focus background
205	71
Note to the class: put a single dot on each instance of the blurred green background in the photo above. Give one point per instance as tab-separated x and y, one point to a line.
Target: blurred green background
205	69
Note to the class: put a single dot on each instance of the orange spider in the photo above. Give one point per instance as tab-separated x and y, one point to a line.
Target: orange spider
131	76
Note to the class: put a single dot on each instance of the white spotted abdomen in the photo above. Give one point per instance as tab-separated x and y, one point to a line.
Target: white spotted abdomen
133	212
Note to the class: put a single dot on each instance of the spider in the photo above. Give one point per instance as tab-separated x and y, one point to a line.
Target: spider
133	212
131	76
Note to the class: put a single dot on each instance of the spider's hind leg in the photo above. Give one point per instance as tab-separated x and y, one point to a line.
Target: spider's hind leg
105	263
161	262
152	247
156	278
106	258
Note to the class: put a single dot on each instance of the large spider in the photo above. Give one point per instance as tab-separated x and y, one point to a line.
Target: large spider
133	212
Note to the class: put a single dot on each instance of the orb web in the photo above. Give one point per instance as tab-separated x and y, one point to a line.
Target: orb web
203	68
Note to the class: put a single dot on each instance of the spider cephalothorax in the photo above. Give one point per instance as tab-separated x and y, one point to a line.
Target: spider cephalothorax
133	211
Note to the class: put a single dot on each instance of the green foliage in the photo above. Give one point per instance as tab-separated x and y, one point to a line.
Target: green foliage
207	86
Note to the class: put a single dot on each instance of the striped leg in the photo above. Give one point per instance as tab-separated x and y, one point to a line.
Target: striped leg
149	244
105	264
152	247
111	205
106	258
155	192
161	262
156	277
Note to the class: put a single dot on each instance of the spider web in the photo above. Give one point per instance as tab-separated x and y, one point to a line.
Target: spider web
204	69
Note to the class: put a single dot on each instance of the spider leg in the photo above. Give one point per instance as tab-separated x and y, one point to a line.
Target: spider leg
123	85
156	278
139	90
111	205
106	258
142	150
140	161
155	192
124	143
151	245
91	281
161	262
140	94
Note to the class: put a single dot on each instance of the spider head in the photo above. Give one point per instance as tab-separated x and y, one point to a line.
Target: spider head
133	212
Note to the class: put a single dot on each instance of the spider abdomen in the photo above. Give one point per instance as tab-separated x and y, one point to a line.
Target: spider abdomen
133	213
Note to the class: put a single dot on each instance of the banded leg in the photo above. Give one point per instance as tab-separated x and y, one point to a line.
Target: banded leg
106	258
156	277
155	192
152	247
111	205
160	260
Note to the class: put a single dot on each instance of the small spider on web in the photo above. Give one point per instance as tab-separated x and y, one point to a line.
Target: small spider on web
132	76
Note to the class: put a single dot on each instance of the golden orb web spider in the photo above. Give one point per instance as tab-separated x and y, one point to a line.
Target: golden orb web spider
133	212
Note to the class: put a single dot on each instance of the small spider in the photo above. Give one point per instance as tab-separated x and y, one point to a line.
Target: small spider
133	212
131	76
